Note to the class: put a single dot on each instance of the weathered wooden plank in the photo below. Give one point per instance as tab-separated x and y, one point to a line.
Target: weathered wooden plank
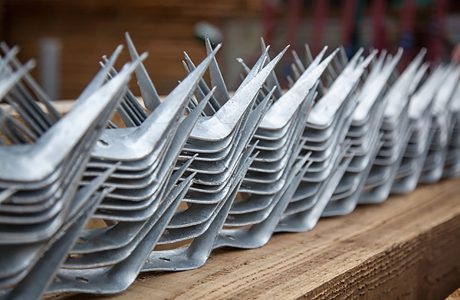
88	29
407	247
454	296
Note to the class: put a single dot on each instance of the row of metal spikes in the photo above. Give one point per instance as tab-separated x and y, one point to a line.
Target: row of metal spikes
87	203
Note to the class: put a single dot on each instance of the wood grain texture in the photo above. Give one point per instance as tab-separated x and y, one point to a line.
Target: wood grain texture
454	296
407	247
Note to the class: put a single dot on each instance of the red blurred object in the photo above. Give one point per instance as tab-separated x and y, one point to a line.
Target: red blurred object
293	21
319	22
407	31
408	16
435	49
348	21
269	19
379	33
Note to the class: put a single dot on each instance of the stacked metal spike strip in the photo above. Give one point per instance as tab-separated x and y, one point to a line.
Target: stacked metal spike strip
266	187
205	168
323	138
220	144
144	195
441	126
43	157
395	133
420	114
452	163
364	136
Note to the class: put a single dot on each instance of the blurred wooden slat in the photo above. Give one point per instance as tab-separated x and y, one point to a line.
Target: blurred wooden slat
89	29
454	296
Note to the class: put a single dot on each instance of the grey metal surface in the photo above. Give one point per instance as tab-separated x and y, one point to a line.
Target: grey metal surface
205	168
395	134
38	231
364	136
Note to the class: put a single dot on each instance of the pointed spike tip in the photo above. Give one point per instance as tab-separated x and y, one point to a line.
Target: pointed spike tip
143	56
118	50
30	65
217	48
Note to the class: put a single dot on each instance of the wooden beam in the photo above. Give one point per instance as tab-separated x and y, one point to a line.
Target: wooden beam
454	296
407	247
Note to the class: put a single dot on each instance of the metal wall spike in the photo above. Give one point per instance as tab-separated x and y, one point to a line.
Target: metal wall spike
364	137
396	132
206	168
33	220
